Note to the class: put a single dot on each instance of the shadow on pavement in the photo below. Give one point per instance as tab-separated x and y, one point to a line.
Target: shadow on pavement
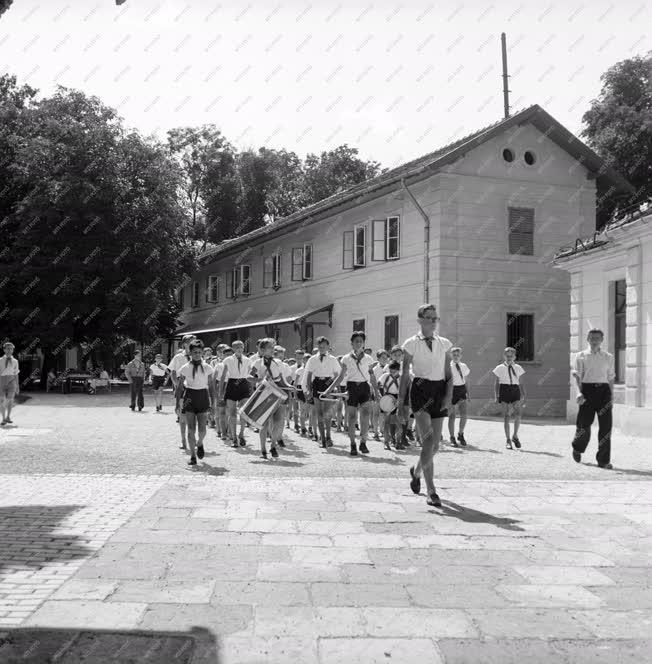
552	454
473	448
71	646
469	515
35	526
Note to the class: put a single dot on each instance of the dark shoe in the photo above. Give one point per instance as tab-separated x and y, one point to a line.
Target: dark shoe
140	408
323	443
415	482
235	445
303	432
310	432
280	443
200	451
363	447
193	461
517	442
606	466
296	428
177	418
401	446
263	454
376	437
454	442
3	422
433	500
577	456
461	439
242	440
134	408
274	452
9	421
329	442
354	451
409	434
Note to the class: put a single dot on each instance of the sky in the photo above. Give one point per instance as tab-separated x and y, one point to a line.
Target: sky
396	79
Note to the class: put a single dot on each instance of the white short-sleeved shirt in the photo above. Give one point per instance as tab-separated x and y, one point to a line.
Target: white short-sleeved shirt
10	368
218	367
594	367
276	369
200	380
326	368
426	363
503	373
158	370
457	379
237	369
379	371
357	369
178	361
287	371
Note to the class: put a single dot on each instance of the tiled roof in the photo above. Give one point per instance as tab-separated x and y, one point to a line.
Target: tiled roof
435	160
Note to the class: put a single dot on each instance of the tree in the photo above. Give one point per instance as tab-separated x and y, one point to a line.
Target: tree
4	6
335	171
619	128
95	244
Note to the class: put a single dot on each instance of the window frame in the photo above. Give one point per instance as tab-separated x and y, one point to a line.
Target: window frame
347	252
272	276
387	345
243	281
307	277
359	329
356	229
230	284
213	282
617	317
297	264
511	315
194	295
520	235
388	238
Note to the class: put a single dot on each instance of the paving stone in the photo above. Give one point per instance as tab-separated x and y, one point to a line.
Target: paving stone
603	651
498	651
640	577
294	572
138	536
293	540
164	592
330	527
85	589
550	595
370	540
261	593
529	623
261	650
310	621
123	569
81	614
220	620
359	594
624	597
414	622
189	570
435	595
262	526
378	651
610	624
548	556
328	555
561	575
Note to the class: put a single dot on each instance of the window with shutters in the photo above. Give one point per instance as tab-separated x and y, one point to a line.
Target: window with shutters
360	248
302	263
238	282
230	284
385	240
391	331
212	288
359	325
520	335
245	284
195	293
521	231
272	272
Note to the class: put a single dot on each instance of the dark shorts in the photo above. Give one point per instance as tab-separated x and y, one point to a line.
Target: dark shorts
157	382
509	393
320	385
237	389
427	396
459	394
195	401
359	394
300	396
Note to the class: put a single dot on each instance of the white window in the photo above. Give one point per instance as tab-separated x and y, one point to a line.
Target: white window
360	246
212	288
386	239
195	293
302	263
243	281
237	281
272	272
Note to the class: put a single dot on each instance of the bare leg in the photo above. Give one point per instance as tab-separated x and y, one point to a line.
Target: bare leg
327	419
2	407
463	409
263	439
191	422
232	417
351	416
451	421
517	417
202	419
506	420
365	418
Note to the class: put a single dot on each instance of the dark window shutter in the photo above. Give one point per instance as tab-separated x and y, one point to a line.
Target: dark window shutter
297	264
521	231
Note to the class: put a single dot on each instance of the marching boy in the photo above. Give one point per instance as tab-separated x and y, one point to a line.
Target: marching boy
461	396
389	383
510	392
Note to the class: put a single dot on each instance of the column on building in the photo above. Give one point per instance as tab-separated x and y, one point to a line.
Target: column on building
633	339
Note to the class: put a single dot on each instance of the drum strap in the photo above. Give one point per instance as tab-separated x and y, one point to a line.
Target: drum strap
390	379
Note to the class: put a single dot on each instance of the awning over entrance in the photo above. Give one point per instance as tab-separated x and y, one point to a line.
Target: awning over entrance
239	323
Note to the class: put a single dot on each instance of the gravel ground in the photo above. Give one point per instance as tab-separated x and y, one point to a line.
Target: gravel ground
55	433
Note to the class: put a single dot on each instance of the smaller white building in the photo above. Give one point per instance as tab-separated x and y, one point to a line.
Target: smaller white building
611	289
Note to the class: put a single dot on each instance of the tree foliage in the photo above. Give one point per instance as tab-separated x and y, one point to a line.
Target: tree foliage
619	128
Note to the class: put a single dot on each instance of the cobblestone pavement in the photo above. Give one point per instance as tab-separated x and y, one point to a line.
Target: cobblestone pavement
99	434
288	569
49	525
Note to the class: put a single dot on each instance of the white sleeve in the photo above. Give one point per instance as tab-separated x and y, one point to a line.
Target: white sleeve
519	370
465	370
447	343
496	371
408	346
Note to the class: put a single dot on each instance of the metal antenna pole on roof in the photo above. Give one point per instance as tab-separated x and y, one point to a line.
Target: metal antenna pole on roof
503	43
